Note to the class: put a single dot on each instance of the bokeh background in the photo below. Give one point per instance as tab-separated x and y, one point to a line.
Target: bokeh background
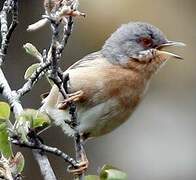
158	142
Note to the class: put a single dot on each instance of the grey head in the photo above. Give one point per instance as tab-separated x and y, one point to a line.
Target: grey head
135	40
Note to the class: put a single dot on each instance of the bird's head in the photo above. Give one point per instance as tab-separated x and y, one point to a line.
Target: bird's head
138	44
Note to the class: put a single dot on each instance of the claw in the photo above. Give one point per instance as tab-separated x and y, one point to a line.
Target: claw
74	97
81	168
67	11
77	13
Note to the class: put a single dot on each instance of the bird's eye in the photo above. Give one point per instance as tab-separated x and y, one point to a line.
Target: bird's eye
146	42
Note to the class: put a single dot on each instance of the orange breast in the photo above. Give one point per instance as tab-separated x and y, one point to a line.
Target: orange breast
125	85
102	84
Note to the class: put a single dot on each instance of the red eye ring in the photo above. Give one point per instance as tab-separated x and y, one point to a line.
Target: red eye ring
146	42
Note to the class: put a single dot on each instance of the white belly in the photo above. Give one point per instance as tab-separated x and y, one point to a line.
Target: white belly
97	120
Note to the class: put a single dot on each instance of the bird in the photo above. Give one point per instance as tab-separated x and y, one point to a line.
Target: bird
108	85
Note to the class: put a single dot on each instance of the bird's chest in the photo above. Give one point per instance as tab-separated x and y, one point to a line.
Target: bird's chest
125	88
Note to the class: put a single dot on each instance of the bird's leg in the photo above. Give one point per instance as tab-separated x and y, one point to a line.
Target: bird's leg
82	165
73	97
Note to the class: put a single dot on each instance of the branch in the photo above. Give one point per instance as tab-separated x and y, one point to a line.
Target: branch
4	28
38	74
57	77
50	65
6	32
45	148
10	95
66	34
14	23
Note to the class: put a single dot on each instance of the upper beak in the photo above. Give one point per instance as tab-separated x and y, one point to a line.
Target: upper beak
170	44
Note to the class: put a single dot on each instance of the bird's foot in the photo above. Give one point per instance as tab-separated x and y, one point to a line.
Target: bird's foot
76	13
80	169
68	11
74	97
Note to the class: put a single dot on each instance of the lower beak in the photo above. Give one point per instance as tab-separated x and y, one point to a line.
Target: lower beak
170	44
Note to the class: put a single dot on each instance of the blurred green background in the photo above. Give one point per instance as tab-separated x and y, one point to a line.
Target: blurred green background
158	143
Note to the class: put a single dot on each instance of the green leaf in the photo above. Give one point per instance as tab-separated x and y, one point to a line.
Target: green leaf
107	167
4	111
31	69
37	118
5	145
92	177
114	174
18	162
32	50
109	172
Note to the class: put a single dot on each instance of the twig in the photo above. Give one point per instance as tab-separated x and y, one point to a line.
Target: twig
6	32
66	33
14	23
4	29
48	149
61	83
77	138
40	72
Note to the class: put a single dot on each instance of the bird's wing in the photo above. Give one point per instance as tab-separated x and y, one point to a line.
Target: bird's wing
86	61
86	75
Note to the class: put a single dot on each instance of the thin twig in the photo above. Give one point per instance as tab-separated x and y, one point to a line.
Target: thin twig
66	33
40	72
14	23
48	149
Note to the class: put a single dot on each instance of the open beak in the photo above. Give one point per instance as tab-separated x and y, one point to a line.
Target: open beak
170	44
